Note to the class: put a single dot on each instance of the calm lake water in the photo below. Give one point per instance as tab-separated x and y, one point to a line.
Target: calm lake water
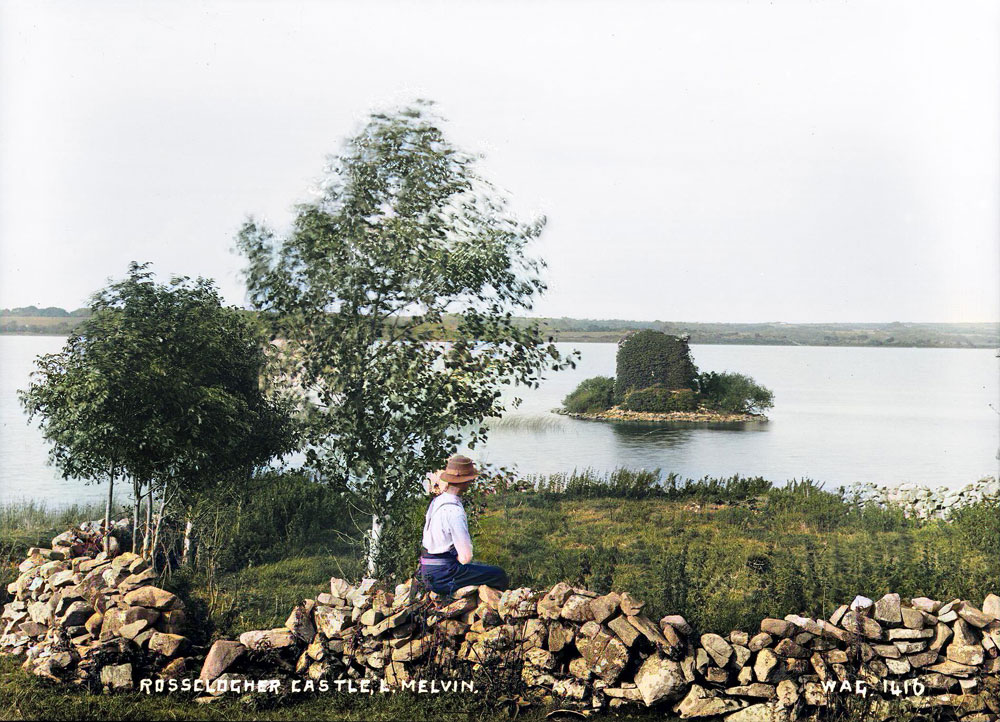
841	415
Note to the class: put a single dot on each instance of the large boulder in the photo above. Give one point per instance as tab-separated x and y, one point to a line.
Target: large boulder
606	654
220	658
117	677
718	649
300	621
153	598
169	645
279	638
660	680
699	702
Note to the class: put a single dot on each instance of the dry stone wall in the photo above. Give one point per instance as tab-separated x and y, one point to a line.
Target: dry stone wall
92	617
100	621
924	502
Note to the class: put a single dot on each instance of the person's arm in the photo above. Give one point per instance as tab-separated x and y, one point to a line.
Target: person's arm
460	535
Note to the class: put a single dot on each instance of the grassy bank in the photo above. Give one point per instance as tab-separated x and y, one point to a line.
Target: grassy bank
24	696
722	552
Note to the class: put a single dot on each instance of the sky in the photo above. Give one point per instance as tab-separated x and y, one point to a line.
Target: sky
697	160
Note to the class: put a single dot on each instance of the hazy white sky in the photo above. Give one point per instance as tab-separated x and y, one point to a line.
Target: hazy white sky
698	160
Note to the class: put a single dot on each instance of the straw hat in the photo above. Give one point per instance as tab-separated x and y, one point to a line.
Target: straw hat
459	470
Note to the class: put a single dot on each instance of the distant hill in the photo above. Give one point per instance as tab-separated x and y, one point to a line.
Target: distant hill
50	312
33	320
58	321
895	334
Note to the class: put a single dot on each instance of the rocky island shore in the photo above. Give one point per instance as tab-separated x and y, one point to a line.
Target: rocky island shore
699	416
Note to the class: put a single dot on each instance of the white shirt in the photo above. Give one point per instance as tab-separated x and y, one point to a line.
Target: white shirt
445	526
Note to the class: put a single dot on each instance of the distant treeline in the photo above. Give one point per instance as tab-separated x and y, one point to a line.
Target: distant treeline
52	320
49	312
31	319
940	335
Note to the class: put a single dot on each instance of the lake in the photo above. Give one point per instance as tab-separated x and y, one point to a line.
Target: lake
841	415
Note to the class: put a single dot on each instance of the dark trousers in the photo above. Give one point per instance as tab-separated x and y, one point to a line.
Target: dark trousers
446	578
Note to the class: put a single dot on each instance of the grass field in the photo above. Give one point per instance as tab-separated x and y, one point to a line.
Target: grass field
724	553
24	696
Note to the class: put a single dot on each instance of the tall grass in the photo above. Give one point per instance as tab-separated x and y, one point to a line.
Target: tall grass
526	422
624	483
31	515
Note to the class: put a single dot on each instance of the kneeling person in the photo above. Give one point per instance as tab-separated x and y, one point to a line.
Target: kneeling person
446	563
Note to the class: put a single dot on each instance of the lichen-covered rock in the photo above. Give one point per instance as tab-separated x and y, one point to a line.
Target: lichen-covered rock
660	679
604	607
169	645
576	608
855	622
699	702
278	638
517	604
718	649
606	654
117	677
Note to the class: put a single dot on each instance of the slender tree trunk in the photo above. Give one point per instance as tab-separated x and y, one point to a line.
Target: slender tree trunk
107	510
374	541
137	496
147	532
186	549
156	530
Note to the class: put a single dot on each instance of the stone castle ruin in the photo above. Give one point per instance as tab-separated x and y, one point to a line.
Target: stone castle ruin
97	620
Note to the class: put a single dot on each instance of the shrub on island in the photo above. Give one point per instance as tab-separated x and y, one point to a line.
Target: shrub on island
734	393
591	396
657	400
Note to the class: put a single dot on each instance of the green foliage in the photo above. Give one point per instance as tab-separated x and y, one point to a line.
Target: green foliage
734	393
160	384
652	358
273	516
592	395
624	483
727	552
405	233
656	399
979	525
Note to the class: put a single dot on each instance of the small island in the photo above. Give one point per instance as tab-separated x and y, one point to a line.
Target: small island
656	380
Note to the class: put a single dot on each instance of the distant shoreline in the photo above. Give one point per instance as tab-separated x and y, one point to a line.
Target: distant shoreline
975	335
602	337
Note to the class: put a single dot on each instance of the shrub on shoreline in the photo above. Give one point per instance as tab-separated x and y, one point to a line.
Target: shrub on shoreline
592	395
734	393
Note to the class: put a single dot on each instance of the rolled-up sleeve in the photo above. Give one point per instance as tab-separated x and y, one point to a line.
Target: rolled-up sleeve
459	528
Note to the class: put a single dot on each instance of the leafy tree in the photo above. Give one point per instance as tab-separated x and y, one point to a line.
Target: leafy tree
735	393
161	384
405	231
592	395
652	358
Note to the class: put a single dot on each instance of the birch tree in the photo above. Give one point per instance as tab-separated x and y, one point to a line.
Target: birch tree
394	293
